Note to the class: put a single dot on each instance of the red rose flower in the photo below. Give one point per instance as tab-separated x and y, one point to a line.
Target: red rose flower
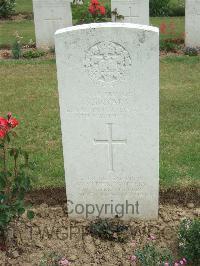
3	123
92	9
102	10
95	2
3	127
12	122
7	124
95	8
2	133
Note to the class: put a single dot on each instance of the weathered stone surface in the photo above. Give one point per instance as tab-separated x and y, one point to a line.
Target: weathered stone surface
192	23
108	77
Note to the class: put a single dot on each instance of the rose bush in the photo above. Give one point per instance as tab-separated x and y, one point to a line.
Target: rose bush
96	8
96	13
15	178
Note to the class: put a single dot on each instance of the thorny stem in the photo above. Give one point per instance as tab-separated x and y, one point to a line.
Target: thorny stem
4	157
15	167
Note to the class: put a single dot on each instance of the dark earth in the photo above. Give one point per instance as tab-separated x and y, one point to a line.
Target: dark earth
52	231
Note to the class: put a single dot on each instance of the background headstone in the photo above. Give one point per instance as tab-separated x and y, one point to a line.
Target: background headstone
49	16
78	2
192	23
108	78
133	11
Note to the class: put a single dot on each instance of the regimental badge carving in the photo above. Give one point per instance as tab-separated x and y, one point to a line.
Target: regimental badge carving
107	61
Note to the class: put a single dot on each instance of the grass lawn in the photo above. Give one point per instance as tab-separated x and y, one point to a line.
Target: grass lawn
24	6
29	90
26	29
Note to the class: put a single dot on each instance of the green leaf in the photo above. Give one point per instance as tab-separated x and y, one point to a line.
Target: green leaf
1	144
21	211
30	215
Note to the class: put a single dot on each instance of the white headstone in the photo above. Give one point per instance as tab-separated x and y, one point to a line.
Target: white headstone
49	16
108	78
133	11
192	23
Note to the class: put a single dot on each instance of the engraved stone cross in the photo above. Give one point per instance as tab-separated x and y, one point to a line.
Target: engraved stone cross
130	9
198	9
110	142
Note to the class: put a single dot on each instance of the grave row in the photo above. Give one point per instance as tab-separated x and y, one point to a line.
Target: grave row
51	15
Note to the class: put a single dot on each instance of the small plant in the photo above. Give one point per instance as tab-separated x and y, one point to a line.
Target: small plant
189	240
116	15
191	51
151	255
109	229
168	46
52	259
17	47
7	8
33	54
30	44
14	175
95	13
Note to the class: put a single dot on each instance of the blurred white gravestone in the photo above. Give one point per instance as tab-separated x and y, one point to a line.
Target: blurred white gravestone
78	2
192	23
133	11
49	16
108	79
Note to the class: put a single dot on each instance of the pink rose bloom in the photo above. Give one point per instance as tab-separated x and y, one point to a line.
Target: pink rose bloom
151	237
176	264
133	258
181	262
133	243
184	260
64	262
166	264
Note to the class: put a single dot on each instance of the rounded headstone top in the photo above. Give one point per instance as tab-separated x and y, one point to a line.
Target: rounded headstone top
108	25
